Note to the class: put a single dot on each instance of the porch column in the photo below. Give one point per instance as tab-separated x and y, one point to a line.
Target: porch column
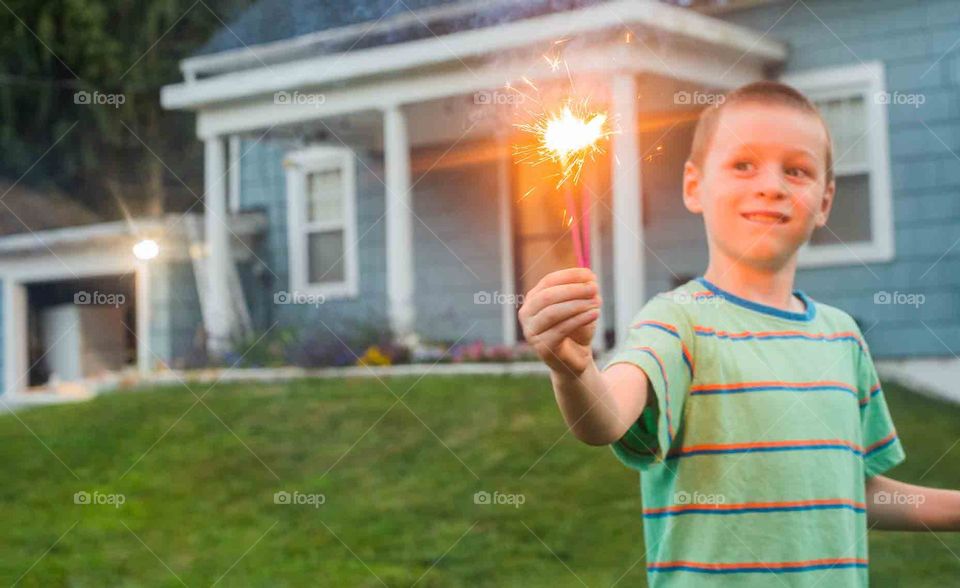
217	239
15	368
596	264
399	209
508	310
144	306
628	270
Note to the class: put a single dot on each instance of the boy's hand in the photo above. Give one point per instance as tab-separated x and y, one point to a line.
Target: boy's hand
559	317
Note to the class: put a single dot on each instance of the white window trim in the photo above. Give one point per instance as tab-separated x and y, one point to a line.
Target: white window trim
299	164
867	80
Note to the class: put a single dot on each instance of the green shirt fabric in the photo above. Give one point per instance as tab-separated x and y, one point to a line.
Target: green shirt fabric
754	455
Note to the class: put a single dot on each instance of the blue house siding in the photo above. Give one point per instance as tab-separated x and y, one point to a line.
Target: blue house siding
675	243
457	253
916	44
186	324
457	205
175	319
160	314
263	187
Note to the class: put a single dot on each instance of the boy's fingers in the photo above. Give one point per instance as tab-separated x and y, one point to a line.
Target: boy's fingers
564	276
557	334
555	314
562	293
550	316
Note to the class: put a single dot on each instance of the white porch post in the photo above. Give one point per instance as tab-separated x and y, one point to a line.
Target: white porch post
396	153
596	264
508	311
218	247
15	376
144	306
628	270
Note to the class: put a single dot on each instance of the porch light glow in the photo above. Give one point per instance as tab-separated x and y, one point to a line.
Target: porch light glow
146	249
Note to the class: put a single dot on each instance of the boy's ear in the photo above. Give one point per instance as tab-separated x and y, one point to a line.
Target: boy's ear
826	203
692	181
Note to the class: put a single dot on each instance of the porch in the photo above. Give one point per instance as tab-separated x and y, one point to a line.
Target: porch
86	309
419	108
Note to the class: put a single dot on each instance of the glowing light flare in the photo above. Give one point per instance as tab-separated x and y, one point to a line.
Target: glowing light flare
146	249
567	134
568	138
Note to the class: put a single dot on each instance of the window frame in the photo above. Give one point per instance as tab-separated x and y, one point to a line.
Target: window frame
299	165
869	82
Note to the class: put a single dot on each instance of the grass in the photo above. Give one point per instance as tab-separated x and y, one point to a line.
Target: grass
399	489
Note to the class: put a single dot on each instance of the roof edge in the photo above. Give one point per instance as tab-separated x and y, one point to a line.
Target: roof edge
243	223
263	53
317	71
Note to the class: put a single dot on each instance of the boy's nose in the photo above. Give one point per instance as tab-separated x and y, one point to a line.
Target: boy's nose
771	185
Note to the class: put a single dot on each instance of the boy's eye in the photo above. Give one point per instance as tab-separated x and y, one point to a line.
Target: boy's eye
743	166
798	172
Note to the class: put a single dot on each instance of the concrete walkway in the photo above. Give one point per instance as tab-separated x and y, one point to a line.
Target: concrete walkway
939	378
85	390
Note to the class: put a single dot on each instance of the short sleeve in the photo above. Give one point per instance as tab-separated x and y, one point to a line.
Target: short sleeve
659	342
882	449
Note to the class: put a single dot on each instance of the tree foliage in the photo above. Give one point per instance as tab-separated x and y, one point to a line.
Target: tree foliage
80	103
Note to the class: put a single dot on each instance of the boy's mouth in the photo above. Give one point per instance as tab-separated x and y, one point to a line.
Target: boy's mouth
767	217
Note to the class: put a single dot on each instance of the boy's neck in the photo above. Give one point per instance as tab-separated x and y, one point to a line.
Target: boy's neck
769	286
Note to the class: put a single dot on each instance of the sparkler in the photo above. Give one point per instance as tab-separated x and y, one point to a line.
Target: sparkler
569	138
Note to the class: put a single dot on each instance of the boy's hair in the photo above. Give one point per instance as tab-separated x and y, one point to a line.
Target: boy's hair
763	92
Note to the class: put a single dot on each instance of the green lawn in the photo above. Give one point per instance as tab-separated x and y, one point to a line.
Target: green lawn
399	502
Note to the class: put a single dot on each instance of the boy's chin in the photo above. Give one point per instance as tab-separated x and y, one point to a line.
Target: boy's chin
767	258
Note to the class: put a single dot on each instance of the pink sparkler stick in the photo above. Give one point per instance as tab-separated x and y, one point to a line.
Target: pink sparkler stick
585	203
575	228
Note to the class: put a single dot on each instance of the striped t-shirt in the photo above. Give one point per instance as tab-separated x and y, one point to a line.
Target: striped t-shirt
754	458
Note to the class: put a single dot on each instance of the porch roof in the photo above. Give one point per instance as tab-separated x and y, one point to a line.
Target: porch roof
27	210
368	23
451	52
172	229
280	29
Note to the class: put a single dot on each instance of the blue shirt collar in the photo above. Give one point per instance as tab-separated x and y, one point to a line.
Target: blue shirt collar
811	309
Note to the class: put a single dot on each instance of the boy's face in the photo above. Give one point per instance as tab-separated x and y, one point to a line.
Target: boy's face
762	187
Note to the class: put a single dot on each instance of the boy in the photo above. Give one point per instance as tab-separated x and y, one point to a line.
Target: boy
753	412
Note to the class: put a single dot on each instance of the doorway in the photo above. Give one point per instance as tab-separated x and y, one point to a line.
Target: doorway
80	328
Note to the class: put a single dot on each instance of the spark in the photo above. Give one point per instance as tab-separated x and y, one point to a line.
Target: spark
553	62
567	138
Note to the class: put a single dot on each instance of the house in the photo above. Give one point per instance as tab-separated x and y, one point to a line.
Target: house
369	146
77	302
405	111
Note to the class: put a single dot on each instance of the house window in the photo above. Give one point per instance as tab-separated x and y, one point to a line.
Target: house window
322	223
853	102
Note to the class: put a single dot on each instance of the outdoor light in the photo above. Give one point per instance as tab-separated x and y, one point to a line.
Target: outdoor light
146	249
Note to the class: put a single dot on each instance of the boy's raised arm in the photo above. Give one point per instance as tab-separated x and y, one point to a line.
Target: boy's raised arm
559	317
599	407
898	506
